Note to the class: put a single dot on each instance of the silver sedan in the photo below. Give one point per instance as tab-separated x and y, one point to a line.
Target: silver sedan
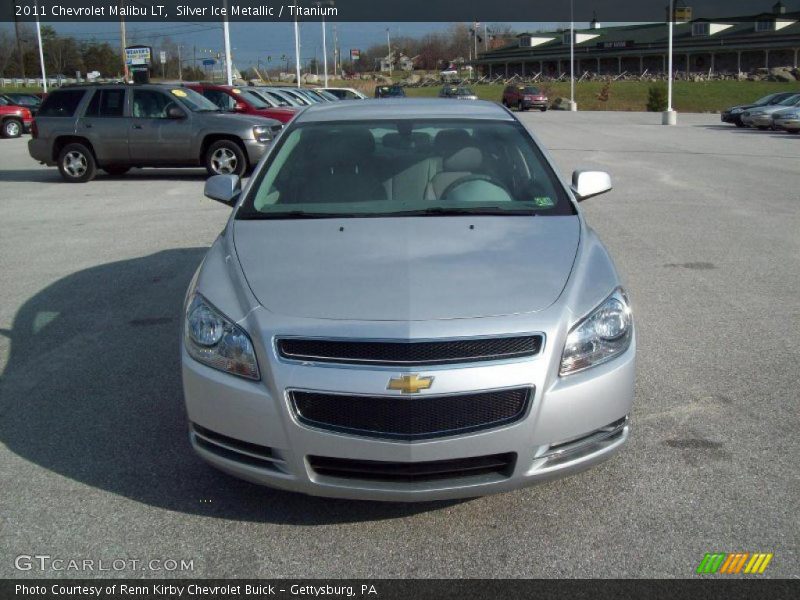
407	304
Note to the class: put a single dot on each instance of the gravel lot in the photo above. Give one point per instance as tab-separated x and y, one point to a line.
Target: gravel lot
94	460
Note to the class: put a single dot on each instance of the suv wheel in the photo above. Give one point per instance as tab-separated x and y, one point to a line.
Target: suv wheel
76	163
12	128
521	106
116	170
225	157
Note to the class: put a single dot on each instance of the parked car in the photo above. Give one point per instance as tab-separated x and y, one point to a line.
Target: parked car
326	94
761	117
346	93
524	97
280	96
29	101
473	339
787	119
115	127
14	119
242	100
389	91
734	113
457	92
300	98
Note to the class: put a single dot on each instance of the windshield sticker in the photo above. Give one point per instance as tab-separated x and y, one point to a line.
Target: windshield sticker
179	93
543	202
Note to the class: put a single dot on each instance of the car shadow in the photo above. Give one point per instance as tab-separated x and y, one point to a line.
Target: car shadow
92	392
51	175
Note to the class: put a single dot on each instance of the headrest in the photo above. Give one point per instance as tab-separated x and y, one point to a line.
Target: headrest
346	147
467	159
450	141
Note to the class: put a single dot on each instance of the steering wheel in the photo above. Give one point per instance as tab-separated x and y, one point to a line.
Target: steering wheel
469	179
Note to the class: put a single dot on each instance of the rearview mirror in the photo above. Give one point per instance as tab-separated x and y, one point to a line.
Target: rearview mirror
586	184
173	112
223	188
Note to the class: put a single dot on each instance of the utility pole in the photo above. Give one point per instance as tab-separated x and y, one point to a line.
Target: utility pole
296	47
123	41
572	105
227	33
389	44
41	51
670	117
180	68
325	46
336	52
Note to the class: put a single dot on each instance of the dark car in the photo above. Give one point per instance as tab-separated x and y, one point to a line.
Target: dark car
734	113
457	92
523	97
29	101
243	100
389	91
115	127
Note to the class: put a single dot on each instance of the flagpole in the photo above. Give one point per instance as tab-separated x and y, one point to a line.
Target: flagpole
41	51
670	117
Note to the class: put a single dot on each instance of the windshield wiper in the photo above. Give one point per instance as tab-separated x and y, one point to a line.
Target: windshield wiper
440	211
293	214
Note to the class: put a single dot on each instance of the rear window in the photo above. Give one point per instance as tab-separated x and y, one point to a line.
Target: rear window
61	103
532	90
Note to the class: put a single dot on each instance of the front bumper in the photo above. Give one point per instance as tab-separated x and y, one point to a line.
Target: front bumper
760	120
249	429
787	124
255	150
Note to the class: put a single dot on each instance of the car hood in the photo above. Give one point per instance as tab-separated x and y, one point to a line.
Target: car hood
230	118
410	268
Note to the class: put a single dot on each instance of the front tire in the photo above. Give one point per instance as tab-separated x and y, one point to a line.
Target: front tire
225	157
520	106
738	123
12	128
543	109
76	163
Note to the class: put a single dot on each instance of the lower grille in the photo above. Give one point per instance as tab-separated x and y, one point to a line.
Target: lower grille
405	353
374	470
405	418
232	449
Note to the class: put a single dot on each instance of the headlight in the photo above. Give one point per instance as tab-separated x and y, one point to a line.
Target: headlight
262	133
214	340
603	334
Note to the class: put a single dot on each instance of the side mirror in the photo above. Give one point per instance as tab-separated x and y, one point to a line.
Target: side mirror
223	188
586	184
173	112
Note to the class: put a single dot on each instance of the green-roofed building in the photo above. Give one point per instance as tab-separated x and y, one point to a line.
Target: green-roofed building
724	45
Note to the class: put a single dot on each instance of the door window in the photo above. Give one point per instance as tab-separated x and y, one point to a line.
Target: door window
149	104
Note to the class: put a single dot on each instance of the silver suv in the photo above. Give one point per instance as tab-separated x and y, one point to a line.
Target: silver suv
116	127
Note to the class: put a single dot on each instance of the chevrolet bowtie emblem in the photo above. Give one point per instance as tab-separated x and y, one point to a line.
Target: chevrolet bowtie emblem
410	384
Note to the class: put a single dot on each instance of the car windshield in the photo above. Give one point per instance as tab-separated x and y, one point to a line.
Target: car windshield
531	90
277	98
464	91
252	98
24	100
194	101
791	100
405	168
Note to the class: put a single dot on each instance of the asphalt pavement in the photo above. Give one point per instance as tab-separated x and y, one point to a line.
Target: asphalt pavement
94	460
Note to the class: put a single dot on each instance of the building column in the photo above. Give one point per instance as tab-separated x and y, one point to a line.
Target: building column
523	68
766	58
506	70
619	62
490	69
795	58
712	63
688	66
739	61
541	66
641	65
663	63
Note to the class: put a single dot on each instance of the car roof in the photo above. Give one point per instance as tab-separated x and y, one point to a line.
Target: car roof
408	108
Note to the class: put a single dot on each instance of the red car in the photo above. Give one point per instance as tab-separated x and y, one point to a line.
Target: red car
523	97
243	100
14	119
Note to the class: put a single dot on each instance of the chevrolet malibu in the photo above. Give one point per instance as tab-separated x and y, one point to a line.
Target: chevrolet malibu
407	304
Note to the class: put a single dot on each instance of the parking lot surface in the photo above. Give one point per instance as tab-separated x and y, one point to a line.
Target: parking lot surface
94	458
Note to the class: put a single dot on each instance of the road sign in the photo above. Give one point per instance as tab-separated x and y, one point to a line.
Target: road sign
209	62
163	57
355	54
138	55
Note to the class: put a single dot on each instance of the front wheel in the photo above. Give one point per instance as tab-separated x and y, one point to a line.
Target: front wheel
12	128
543	109
225	157
76	163
739	123
520	106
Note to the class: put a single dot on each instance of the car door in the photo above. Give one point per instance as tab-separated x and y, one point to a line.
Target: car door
105	124
155	138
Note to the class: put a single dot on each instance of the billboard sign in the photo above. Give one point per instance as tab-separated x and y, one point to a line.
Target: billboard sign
138	55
